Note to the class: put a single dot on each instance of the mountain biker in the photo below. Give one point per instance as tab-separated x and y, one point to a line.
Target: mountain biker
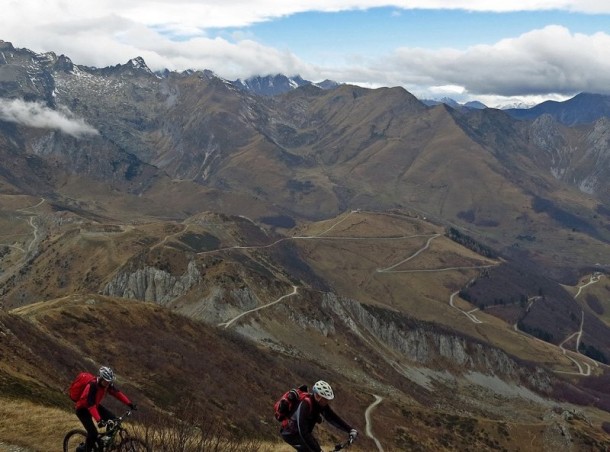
88	407
298	431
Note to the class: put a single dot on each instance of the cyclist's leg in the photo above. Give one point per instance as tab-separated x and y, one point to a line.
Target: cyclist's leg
85	417
105	413
296	442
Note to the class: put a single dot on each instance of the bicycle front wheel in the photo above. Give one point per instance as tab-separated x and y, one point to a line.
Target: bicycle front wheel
73	439
133	445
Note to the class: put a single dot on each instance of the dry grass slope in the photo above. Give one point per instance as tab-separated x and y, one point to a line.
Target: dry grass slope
399	263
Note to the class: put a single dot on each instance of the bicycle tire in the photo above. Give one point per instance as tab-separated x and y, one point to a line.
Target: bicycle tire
133	445
73	439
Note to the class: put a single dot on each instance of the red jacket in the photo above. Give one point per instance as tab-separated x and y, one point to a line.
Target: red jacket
94	393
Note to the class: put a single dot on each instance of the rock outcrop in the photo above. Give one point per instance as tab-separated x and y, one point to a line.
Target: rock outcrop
153	284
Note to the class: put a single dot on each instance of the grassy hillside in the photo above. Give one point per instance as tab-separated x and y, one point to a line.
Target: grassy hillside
238	313
174	367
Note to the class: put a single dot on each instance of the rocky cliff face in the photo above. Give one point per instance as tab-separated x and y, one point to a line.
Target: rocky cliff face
152	284
597	159
189	293
430	346
420	343
580	160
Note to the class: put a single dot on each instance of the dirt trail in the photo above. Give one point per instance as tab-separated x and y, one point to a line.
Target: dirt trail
230	322
367	418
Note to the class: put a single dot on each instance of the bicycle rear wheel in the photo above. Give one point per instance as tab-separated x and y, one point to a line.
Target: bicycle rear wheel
133	445
73	439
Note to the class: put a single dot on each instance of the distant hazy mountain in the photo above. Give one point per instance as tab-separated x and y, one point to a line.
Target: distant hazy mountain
516	105
476	105
327	84
584	108
272	85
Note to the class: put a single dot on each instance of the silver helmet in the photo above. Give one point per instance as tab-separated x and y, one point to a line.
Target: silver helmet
323	389
106	373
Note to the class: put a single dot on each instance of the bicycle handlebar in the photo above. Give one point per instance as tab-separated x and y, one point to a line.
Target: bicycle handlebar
116	423
343	445
127	414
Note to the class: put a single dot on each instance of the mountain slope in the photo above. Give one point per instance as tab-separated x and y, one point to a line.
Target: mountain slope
215	274
161	358
432	257
309	153
583	108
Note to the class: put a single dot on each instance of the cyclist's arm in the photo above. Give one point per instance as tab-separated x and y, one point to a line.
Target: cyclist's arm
119	395
88	399
302	416
334	419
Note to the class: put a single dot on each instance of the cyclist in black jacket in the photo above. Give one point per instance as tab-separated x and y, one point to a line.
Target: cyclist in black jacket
311	410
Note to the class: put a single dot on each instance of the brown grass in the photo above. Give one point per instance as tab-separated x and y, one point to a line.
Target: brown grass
40	428
161	356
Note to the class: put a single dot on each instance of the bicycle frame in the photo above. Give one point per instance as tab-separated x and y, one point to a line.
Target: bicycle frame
114	437
115	434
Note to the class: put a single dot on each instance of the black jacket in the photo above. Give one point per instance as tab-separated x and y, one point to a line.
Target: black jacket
304	419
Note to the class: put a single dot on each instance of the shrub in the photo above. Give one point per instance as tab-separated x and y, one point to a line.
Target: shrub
191	430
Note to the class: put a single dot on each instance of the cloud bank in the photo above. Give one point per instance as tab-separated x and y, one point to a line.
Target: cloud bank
34	114
550	60
177	34
190	17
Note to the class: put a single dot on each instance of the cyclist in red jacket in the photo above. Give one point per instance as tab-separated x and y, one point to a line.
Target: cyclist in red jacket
310	411
88	406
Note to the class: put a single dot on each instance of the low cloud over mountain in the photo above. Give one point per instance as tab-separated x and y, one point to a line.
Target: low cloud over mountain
35	114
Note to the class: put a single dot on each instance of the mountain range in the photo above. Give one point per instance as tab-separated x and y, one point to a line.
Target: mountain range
272	85
451	261
453	103
583	108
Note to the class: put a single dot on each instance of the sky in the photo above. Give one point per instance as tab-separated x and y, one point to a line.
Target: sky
499	52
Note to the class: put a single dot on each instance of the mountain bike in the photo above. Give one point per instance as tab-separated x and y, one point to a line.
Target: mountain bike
115	439
343	445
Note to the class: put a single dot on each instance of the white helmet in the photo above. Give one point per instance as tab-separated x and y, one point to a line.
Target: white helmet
323	389
106	373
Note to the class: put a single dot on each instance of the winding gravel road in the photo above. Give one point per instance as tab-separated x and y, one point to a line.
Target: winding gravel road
367	419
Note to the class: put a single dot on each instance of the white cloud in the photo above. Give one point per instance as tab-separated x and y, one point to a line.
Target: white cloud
191	16
87	21
229	60
34	114
549	60
109	40
174	34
